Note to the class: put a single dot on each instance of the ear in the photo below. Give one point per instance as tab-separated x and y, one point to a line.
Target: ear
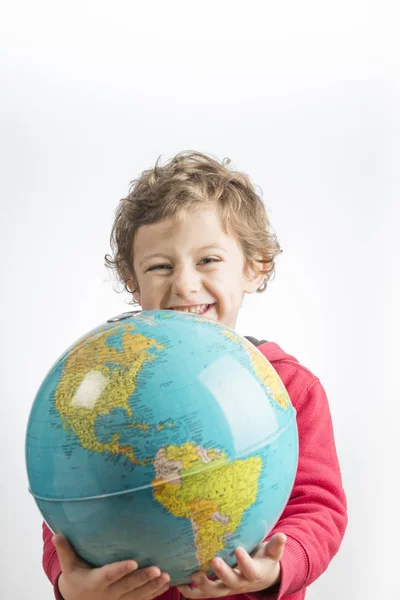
136	296
132	287
253	278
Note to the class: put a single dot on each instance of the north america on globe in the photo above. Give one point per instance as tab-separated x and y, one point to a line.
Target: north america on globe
98	379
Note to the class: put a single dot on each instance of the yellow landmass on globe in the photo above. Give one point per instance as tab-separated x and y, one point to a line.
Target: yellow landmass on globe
205	487
231	335
264	370
98	378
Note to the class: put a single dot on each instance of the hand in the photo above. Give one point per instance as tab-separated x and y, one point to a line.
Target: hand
78	581
252	573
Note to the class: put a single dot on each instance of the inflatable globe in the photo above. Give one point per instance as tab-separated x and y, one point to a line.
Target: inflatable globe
163	437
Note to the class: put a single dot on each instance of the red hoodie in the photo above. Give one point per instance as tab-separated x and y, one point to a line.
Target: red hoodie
315	517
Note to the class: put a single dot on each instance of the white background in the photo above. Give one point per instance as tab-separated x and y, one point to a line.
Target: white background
303	96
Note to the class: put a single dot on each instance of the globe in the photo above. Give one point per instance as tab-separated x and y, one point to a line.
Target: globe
162	437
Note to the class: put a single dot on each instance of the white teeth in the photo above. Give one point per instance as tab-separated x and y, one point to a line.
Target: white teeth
197	310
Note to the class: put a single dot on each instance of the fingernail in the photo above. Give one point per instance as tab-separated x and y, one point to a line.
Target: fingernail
217	562
154	572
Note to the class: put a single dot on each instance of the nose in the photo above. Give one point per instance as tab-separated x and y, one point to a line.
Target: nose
186	282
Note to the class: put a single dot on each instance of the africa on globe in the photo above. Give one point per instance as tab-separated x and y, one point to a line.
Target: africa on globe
162	437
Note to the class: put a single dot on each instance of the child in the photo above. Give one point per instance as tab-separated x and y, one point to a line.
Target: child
194	236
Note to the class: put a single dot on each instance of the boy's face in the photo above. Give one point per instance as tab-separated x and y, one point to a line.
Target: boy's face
189	263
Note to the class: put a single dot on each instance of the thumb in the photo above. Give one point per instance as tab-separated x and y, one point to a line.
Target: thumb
276	546
66	555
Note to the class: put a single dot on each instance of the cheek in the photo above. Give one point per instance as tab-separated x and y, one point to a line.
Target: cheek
216	284
152	290
226	289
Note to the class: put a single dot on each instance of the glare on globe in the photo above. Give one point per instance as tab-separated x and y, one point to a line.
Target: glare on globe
162	437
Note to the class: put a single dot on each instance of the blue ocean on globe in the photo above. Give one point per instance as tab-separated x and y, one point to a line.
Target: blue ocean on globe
162	437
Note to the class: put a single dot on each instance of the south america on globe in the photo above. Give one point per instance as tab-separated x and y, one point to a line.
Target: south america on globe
162	437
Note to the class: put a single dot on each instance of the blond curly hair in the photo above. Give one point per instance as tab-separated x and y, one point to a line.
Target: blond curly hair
181	184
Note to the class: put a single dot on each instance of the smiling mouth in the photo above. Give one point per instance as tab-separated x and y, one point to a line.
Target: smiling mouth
196	309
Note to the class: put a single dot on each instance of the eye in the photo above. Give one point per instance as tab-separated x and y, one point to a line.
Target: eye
209	260
159	267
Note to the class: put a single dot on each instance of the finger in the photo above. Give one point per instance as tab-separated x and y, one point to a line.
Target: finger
157	592
247	565
136	580
149	590
110	574
225	573
205	588
66	555
190	592
276	546
197	593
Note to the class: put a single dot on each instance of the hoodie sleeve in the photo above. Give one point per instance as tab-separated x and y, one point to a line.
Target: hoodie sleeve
315	517
50	561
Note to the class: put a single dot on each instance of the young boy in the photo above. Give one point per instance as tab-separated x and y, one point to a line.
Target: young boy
194	236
